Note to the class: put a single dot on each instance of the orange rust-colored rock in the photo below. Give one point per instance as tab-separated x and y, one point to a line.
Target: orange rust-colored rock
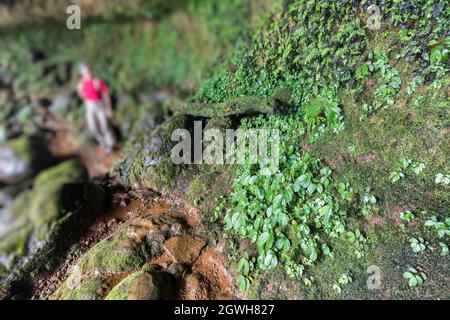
210	279
182	249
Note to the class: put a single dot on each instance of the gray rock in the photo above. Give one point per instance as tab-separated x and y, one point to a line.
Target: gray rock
22	158
60	102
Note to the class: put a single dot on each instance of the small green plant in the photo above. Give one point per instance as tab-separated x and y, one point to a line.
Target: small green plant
439	54
418	168
417	244
345	191
342	281
389	84
415	83
444	249
442	228
407	216
245	266
357	239
414	277
406	164
326	107
364	70
219	209
368	203
443	179
396	176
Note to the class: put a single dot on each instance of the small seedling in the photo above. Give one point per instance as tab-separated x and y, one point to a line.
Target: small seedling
414	277
418	244
407	216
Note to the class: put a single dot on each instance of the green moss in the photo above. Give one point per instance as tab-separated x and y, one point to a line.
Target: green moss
88	289
70	171
136	170
152	165
198	189
163	174
129	287
221	123
379	143
390	251
116	254
329	269
14	244
57	192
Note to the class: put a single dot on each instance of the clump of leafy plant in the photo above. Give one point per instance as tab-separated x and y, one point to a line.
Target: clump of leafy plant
368	203
219	209
290	214
396	176
406	164
418	244
357	239
414	277
407	216
343	280
442	228
390	82
443	179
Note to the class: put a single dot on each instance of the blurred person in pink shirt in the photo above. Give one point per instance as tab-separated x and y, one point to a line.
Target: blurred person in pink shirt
95	94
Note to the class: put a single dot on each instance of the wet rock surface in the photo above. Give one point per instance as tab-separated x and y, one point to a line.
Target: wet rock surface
140	285
147	258
22	158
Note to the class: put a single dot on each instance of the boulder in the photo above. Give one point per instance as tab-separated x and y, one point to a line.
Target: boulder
149	163
38	219
22	158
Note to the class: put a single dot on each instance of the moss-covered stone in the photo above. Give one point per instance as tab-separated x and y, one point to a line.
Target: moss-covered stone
57	191
137	286
125	251
150	164
117	253
89	289
113	255
54	208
